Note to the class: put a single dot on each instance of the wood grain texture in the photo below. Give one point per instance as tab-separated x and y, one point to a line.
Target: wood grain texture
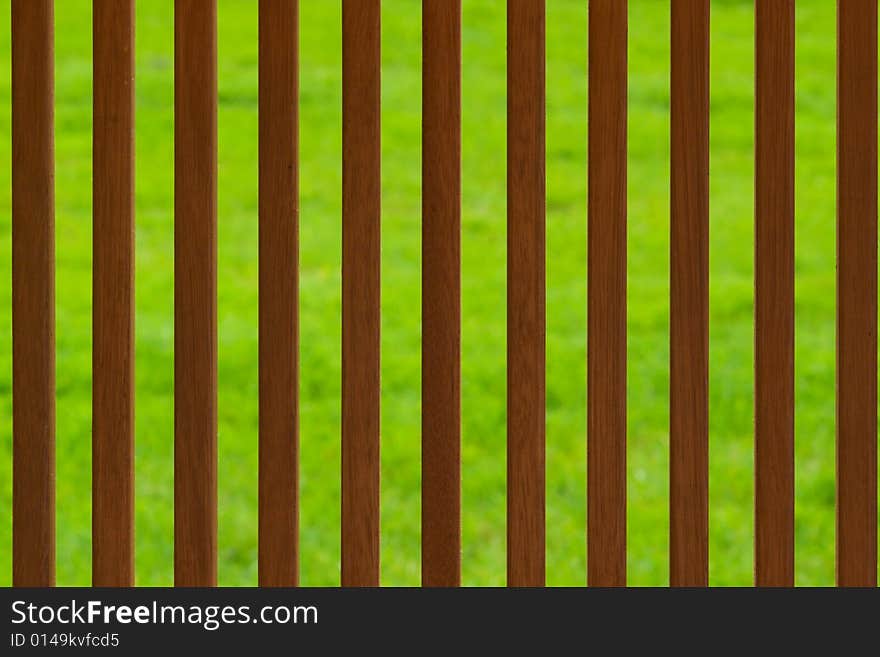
606	296
857	293
441	293
33	294
361	207
195	293
113	295
279	293
689	287
525	293
774	292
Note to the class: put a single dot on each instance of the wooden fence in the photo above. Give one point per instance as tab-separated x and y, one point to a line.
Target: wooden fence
195	292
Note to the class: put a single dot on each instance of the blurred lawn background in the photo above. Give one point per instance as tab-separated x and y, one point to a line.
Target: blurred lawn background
483	293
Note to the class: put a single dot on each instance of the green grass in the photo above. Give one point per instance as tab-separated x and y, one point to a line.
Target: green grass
483	291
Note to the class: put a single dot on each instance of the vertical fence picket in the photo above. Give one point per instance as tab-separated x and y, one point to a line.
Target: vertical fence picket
606	297
33	294
113	295
195	293
857	293
525	293
279	293
774	292
689	303
441	296
361	207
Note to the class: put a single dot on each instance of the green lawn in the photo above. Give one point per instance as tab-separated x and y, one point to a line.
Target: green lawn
483	293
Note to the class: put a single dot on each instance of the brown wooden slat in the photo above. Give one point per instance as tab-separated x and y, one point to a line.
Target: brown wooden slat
361	195
525	293
441	293
857	293
195	293
113	295
606	298
33	294
279	293
774	292
689	305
